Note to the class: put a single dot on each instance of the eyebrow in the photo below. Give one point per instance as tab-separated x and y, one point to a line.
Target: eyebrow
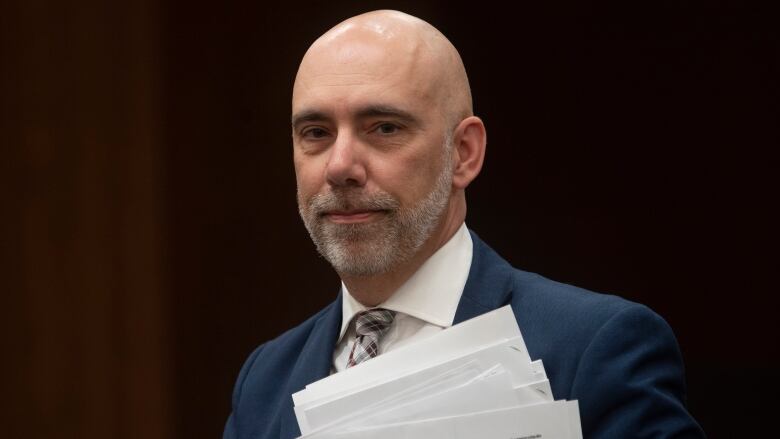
377	110
386	111
308	116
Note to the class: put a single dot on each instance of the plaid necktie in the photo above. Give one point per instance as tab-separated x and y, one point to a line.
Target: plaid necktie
370	326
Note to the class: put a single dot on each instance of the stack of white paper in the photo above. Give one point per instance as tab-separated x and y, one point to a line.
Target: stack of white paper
473	380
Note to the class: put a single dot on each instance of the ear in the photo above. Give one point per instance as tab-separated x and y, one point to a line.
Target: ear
469	142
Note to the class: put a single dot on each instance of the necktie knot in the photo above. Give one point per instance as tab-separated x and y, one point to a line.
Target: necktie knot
373	322
370	326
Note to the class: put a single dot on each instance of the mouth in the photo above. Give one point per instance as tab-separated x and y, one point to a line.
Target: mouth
352	216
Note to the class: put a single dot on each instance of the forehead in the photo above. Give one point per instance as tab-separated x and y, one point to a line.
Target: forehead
362	73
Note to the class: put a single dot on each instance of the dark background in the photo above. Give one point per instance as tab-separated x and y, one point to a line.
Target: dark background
150	232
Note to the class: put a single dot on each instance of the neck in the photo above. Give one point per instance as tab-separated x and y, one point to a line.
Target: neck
373	290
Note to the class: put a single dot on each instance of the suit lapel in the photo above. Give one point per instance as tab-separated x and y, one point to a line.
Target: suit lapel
313	364
489	285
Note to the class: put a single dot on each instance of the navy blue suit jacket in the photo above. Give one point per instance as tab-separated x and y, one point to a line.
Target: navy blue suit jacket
618	358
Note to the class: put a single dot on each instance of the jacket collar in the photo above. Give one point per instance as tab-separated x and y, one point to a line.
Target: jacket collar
489	285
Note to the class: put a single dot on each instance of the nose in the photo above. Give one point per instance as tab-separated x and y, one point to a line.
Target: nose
345	164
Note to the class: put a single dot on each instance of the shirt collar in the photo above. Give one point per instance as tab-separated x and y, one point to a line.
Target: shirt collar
432	293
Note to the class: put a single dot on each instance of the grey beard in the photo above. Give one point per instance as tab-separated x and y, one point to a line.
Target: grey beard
378	246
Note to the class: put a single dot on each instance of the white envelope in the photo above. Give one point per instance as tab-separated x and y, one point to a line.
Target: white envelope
551	420
538	367
453	342
474	380
491	391
317	416
533	393
508	353
575	425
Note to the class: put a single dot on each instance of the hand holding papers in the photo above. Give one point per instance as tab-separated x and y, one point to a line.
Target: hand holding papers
473	380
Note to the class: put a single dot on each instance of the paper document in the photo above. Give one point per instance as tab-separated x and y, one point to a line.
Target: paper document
451	343
473	380
552	420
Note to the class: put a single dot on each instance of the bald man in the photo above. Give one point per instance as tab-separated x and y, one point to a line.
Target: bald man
385	143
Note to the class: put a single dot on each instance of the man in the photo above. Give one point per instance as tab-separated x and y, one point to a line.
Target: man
385	143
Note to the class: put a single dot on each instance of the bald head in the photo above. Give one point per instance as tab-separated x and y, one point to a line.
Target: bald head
393	47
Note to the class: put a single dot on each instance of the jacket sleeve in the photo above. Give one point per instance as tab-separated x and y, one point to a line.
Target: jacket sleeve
630	381
232	430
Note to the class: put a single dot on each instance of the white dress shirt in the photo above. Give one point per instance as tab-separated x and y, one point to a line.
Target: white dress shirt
424	305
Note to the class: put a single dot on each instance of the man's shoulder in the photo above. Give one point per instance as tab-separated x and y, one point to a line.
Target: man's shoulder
535	294
551	314
552	299
563	311
562	314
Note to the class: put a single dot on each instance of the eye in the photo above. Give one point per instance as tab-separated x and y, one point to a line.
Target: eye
314	133
387	128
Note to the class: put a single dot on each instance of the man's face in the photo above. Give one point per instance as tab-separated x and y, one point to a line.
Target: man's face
371	156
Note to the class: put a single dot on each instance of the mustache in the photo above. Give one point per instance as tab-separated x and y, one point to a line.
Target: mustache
352	200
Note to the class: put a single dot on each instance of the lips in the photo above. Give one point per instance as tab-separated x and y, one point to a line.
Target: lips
352	216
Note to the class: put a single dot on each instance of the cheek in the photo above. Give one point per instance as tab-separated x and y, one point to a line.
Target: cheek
408	178
307	176
306	186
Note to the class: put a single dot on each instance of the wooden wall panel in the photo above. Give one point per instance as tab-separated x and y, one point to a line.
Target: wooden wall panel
83	215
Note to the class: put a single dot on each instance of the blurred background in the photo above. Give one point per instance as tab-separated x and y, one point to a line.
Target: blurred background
150	236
